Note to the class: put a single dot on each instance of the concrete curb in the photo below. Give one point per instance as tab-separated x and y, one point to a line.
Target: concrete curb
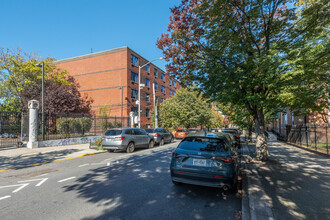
255	202
245	198
69	158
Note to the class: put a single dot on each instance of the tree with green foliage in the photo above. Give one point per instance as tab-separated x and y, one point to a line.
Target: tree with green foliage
217	119
187	108
306	86
21	79
104	113
237	53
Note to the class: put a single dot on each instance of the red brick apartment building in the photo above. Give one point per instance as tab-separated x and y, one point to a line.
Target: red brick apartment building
102	75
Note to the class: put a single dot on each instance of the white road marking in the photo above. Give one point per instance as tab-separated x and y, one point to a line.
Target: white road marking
130	161
5	197
84	165
43	175
97	163
70	178
21	186
39	184
18	189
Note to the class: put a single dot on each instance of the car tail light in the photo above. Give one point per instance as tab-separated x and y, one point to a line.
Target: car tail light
227	160
237	136
220	177
175	155
119	138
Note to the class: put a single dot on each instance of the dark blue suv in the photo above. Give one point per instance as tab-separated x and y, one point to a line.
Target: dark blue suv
205	159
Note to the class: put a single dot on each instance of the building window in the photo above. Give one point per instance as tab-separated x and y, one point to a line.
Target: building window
174	83
134	60
174	93
134	94
156	86
147	68
170	82
134	77
147	97
147	83
162	100
147	113
163	89
155	73
163	77
170	91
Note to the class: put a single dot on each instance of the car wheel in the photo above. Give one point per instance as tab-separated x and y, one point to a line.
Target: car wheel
151	144
110	150
161	142
130	148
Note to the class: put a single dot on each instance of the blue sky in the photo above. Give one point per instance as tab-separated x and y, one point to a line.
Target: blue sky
68	28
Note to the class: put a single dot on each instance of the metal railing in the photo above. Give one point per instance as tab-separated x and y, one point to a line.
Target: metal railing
14	126
10	128
70	125
311	136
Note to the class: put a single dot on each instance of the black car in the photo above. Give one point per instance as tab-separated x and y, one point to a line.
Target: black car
161	135
236	134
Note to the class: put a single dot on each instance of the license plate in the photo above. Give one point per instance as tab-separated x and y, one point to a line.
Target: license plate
110	139
199	162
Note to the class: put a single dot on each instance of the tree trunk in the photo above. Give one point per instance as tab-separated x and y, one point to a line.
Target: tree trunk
250	133
261	145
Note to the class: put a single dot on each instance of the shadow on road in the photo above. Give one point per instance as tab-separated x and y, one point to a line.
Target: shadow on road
143	189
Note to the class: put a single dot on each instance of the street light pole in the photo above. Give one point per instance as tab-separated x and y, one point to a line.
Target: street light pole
121	107
42	100
139	95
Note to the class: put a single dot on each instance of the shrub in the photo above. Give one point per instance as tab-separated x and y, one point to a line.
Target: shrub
85	125
73	125
99	144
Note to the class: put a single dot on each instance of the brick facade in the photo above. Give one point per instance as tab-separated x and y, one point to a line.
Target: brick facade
102	75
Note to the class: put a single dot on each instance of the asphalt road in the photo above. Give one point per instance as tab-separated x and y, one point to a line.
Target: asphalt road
110	186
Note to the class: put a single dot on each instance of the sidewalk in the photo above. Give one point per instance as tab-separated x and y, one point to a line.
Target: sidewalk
293	184
13	158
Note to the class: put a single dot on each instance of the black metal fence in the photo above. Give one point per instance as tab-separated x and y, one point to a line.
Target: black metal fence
311	136
10	128
70	125
14	126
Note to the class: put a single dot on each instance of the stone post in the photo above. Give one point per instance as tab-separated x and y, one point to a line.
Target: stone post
131	115
33	124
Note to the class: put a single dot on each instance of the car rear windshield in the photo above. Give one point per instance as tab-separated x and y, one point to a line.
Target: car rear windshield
150	130
203	144
112	132
181	131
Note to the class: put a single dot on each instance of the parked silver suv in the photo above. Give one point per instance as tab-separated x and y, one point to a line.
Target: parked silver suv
127	139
